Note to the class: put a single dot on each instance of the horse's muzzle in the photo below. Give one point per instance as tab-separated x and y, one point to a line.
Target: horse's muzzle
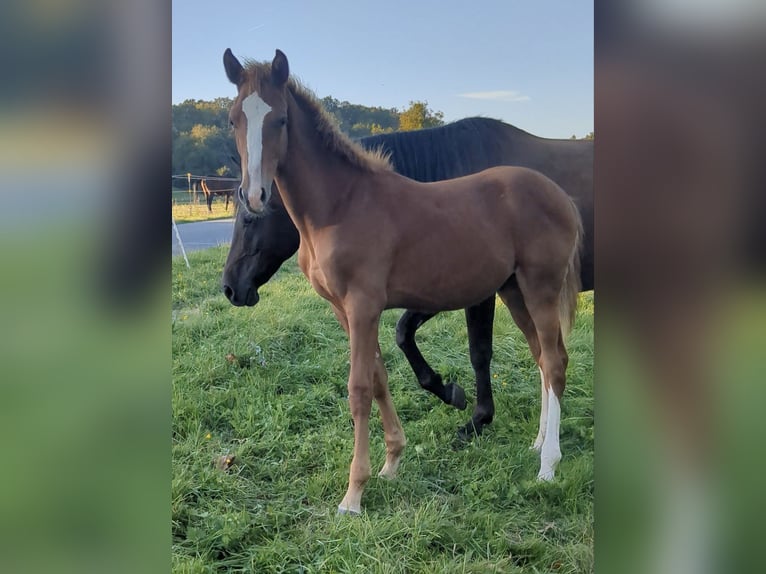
235	298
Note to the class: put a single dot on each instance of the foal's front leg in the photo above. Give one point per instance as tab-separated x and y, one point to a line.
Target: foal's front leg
363	335
392	427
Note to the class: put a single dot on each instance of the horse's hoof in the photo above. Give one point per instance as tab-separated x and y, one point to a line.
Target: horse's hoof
387	474
546	476
549	461
342	511
467	433
457	396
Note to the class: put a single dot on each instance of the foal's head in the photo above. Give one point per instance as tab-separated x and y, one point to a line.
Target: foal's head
259	119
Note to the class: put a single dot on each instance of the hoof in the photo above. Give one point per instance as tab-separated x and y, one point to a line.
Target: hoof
549	461
537	445
468	432
546	476
457	395
388	475
348	511
548	466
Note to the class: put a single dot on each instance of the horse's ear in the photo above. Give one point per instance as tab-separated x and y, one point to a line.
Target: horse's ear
233	67
280	70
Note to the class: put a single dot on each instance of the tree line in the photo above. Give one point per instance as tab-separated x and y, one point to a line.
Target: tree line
203	142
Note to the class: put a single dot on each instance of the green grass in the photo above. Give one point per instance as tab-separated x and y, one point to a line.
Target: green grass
185	210
281	409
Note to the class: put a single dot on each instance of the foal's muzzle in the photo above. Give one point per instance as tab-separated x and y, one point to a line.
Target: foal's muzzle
246	204
242	198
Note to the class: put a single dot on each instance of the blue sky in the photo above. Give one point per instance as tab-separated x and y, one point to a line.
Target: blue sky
527	62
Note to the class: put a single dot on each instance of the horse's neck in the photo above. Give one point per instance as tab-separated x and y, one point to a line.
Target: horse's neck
313	179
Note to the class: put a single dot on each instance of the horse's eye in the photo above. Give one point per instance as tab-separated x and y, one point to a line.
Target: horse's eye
283	120
231	123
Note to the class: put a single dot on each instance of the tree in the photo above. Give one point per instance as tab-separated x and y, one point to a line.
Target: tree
358	121
378	129
203	150
191	112
419	116
200	133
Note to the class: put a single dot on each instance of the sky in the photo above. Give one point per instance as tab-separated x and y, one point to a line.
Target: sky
526	62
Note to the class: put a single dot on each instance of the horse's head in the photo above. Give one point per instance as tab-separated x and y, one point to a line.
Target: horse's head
259	246
259	119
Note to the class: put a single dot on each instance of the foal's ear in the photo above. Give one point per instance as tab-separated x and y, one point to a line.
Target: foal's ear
233	67
280	70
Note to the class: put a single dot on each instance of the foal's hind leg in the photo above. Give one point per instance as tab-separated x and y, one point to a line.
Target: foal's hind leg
479	320
513	299
540	291
431	381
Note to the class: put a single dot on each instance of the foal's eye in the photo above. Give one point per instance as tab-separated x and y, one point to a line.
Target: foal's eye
283	120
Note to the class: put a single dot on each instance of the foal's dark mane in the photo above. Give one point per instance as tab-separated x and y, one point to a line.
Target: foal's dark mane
325	125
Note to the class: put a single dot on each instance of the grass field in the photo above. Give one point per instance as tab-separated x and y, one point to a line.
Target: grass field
186	211
279	406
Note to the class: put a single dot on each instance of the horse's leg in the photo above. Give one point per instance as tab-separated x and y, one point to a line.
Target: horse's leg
513	299
431	381
540	438
540	289
479	320
362	328
392	426
208	195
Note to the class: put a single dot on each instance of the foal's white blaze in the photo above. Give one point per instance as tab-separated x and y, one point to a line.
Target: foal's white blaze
255	110
538	444
551	452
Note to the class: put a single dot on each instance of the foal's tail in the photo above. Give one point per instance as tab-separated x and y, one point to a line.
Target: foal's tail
571	287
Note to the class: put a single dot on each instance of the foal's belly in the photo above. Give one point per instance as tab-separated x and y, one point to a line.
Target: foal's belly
432	286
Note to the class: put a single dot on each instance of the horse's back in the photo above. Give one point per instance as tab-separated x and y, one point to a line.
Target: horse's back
471	145
468	231
500	188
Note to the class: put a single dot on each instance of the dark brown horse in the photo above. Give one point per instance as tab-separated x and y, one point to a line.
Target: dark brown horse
218	186
372	239
260	245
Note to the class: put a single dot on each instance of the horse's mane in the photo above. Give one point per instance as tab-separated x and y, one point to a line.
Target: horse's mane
465	146
325	125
